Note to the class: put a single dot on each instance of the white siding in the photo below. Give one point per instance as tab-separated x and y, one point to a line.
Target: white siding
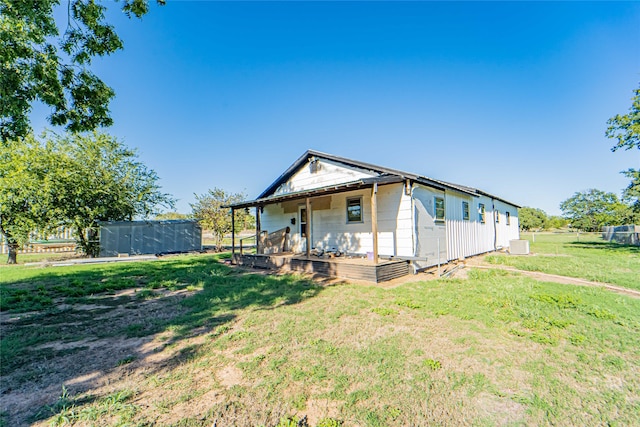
505	232
406	225
395	222
472	237
461	234
484	232
327	173
273	219
330	229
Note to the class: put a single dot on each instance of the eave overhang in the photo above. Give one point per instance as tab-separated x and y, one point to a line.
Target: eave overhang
317	192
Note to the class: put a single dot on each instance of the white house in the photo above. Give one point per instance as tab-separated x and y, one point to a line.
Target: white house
358	208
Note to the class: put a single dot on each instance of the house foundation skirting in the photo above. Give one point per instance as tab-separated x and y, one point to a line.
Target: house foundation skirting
358	269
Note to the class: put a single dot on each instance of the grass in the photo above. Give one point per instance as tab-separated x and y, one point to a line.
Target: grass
248	349
585	256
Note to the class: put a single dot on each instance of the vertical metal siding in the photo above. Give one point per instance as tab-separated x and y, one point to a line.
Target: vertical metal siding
462	239
149	237
472	237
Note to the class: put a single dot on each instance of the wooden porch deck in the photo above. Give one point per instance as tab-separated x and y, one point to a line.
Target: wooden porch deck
343	267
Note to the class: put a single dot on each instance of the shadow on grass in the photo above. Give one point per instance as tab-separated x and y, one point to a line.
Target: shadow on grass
76	322
612	246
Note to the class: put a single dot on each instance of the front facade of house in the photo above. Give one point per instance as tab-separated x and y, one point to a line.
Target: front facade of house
332	203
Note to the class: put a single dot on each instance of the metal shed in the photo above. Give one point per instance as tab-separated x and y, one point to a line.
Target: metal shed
149	237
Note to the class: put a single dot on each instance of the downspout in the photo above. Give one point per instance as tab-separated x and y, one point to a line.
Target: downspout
413	219
495	227
446	226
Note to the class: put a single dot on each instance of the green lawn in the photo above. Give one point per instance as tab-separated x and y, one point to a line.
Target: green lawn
236	348
584	256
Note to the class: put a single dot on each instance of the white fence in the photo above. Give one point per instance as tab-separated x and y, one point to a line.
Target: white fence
60	240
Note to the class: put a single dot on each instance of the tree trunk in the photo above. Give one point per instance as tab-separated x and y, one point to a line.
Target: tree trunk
93	249
80	239
86	240
13	253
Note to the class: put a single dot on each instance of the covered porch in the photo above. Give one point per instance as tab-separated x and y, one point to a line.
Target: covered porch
279	256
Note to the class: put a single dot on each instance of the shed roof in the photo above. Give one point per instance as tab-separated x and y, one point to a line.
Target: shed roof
387	176
148	222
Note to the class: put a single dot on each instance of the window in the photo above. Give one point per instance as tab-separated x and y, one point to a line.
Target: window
497	217
481	214
354	210
508	215
438	202
465	211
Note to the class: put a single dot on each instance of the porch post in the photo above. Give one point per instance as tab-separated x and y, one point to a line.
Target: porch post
258	229
374	220
233	235
308	207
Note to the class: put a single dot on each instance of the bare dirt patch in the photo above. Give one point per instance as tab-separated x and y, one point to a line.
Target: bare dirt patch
90	350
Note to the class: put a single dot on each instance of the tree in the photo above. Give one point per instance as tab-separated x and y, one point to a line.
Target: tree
74	180
171	215
631	194
38	64
626	128
531	218
555	222
27	191
102	180
209	209
592	209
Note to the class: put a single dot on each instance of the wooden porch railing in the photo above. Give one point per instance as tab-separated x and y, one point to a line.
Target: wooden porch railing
247	238
274	242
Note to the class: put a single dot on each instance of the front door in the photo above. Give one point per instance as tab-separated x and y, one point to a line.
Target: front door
302	227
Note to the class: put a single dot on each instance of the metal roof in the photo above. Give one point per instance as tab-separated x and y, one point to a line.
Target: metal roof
267	196
331	189
148	221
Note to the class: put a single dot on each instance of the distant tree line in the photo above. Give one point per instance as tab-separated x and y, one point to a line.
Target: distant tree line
534	219
588	210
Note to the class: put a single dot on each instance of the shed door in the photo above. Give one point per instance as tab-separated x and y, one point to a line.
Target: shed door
124	240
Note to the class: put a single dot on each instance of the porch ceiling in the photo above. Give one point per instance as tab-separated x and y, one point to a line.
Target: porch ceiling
322	191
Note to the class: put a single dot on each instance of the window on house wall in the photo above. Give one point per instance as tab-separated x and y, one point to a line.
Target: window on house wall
438	202
497	217
465	211
354	209
481	213
508	220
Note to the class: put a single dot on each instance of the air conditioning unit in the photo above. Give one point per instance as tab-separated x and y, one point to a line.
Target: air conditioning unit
519	247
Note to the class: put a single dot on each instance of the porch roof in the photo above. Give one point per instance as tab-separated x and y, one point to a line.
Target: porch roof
314	192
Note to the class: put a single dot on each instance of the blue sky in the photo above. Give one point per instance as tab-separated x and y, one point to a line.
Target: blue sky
509	97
